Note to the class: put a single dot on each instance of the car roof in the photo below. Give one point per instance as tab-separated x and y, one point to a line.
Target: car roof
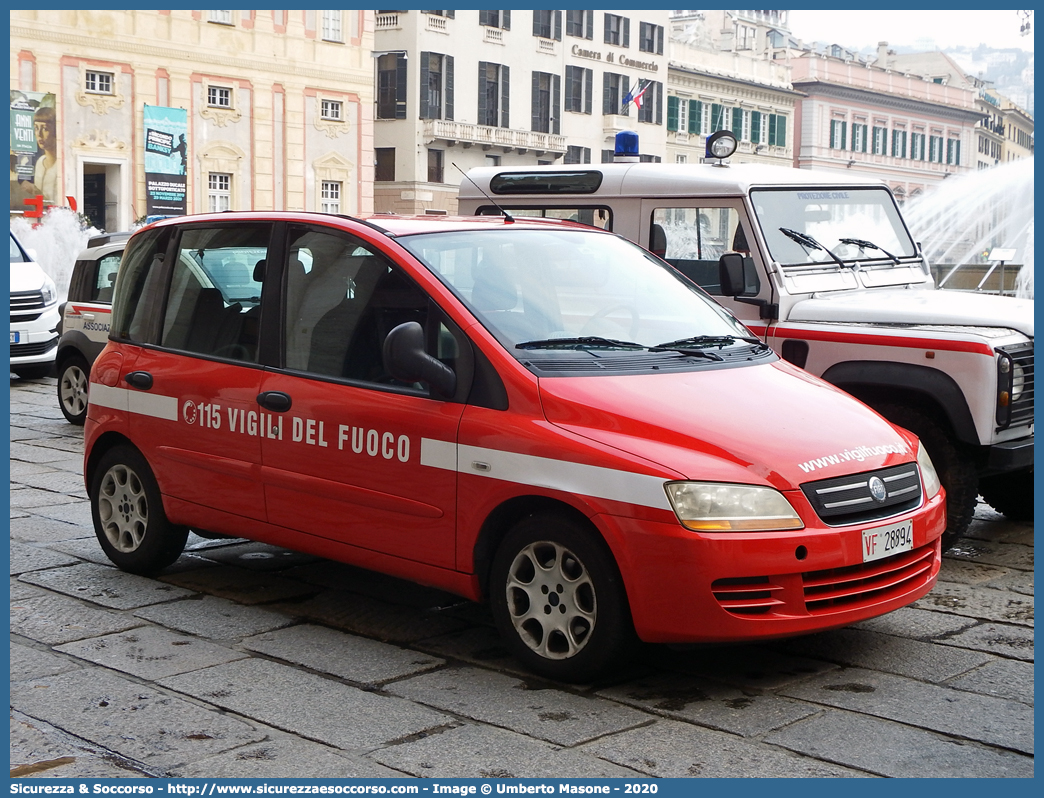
390	224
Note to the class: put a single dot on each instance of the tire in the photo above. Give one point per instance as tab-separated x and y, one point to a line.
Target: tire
953	463
73	380
1010	494
558	600
128	514
36	371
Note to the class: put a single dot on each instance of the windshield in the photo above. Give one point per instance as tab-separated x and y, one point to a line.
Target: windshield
571	289
814	226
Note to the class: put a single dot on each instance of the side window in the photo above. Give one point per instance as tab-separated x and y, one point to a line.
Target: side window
342	300
692	239
107	268
141	287
214	302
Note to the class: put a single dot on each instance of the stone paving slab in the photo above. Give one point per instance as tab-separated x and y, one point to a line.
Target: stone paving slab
994	721
31	498
476	645
1003	678
865	649
547	714
22	469
129	718
917	624
20	590
479	752
971	573
40	751
285	758
749	667
25	557
708	703
996	638
1012	555
356	659
75	512
150	652
36	529
392	623
36	454
672	749
56	481
58	444
983	603
891	749
1016	581
28	663
213	617
55	619
240	585
320	709
106	586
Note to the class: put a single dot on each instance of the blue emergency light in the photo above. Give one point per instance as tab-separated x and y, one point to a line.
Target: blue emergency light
626	147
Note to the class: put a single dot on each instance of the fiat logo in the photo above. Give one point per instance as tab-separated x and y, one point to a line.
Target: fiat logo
878	491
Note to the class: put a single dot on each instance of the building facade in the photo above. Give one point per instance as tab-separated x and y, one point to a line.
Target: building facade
275	109
460	89
901	127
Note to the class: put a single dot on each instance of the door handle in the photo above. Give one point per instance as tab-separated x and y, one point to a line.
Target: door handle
87	316
276	401
139	379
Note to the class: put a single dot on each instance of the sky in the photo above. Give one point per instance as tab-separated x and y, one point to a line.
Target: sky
859	29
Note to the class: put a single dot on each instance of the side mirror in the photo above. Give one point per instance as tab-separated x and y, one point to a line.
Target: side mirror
406	360
731	274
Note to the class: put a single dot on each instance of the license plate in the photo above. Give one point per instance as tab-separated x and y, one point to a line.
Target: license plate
884	541
14	337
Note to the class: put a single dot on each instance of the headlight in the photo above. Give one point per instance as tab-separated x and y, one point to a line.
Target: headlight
48	291
929	476
717	507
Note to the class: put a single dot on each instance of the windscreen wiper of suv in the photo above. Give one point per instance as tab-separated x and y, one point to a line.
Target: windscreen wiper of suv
864	244
808	242
581	342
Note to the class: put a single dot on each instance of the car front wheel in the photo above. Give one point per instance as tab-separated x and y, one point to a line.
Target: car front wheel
73	379
129	520
559	601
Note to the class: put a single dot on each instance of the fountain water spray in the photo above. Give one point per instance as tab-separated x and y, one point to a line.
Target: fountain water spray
57	240
962	218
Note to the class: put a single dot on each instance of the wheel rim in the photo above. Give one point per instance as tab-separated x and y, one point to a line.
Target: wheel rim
73	390
551	600
123	508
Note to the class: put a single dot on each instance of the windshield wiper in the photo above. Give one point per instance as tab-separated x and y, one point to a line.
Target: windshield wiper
810	243
864	244
581	342
695	342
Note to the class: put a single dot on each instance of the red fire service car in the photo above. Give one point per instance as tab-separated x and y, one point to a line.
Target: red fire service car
530	412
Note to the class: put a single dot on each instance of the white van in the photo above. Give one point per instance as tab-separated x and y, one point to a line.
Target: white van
34	316
823	268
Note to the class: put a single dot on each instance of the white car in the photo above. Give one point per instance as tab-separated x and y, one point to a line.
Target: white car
34	316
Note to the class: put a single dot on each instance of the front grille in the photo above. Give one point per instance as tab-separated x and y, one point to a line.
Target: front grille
22	318
28	350
1021	410
752	595
849	499
839	589
25	301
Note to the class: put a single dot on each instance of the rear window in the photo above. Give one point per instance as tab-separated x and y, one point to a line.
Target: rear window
546	183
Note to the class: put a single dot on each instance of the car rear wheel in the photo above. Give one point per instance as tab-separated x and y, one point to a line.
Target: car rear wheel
129	520
559	601
1010	494
73	379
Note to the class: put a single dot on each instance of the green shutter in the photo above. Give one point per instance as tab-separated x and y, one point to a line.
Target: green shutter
717	118
755	127
737	123
695	116
672	112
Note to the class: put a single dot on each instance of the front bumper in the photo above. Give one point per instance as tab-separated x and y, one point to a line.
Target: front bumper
685	587
1010	456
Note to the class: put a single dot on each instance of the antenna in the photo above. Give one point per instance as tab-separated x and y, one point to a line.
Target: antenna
508	218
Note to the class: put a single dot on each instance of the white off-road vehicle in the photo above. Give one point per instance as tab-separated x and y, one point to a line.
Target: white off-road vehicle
824	269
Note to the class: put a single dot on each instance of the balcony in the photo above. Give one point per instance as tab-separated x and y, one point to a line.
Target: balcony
469	135
546	46
387	22
614	123
492	35
435	24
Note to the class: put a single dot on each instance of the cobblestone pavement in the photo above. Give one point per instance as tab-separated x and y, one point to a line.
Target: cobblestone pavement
243	660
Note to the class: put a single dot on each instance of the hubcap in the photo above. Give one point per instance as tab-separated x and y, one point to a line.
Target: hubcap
123	508
73	390
551	600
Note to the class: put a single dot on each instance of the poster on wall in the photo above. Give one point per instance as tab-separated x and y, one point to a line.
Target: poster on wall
34	149
166	161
